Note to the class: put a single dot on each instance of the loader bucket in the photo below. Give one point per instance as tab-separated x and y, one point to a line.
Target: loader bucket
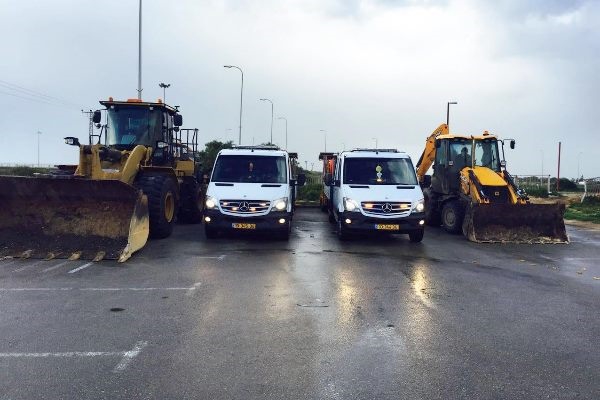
71	218
508	223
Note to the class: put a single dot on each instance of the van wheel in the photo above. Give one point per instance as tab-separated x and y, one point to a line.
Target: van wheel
342	231
330	216
163	202
209	232
416	236
452	216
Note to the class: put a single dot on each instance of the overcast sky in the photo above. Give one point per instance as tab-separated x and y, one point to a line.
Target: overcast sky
360	70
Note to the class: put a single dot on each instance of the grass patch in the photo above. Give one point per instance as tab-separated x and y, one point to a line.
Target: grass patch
309	192
589	210
22	170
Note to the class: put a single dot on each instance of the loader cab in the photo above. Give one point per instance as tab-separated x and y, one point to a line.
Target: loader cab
131	123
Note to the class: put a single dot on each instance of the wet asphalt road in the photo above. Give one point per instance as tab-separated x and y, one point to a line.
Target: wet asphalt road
312	318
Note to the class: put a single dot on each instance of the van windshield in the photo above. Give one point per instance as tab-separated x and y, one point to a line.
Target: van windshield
379	171
250	168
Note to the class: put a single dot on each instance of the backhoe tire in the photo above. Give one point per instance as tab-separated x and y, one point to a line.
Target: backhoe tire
432	213
453	214
192	202
416	236
163	202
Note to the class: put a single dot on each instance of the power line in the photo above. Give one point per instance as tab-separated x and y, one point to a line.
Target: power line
33	93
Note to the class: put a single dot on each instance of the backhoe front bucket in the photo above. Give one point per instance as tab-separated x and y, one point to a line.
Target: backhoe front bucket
519	223
71	218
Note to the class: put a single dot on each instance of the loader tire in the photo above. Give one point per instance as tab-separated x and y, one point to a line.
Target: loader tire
163	201
452	216
192	202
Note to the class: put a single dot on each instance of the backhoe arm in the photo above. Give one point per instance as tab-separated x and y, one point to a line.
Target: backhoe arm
428	156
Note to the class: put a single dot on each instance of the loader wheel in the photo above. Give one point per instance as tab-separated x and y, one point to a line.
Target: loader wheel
432	214
452	216
163	199
192	203
416	236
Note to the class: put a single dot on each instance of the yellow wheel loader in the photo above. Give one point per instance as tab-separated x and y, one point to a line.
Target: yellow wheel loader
139	175
471	191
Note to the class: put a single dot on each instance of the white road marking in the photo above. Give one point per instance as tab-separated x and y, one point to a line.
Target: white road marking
56	266
220	258
23	268
126	356
191	290
129	356
131	289
80	268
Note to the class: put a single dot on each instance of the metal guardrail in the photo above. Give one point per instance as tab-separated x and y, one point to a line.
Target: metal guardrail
591	187
12	165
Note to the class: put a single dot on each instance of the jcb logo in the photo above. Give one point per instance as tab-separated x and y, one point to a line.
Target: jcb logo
496	194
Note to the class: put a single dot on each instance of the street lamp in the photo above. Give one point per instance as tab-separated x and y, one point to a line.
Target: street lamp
448	114
284	118
375	139
241	97
164	87
578	158
324	131
271	141
38	148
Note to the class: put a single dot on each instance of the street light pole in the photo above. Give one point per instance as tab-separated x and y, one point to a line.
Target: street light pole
241	99
324	131
578	158
375	139
38	147
164	87
448	113
286	135
271	141
140	54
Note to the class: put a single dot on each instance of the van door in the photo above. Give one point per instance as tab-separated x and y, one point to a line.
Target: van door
336	187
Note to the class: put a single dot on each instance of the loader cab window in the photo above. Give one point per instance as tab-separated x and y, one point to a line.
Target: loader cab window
131	126
460	153
486	154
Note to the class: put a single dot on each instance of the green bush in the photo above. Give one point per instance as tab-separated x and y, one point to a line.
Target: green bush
309	192
22	170
537	192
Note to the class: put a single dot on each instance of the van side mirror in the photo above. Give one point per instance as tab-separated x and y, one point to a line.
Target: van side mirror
426	181
512	144
301	180
177	120
97	117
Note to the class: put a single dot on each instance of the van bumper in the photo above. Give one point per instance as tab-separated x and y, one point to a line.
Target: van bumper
266	223
362	223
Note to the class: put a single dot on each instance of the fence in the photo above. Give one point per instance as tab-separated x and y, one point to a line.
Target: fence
12	165
533	182
591	187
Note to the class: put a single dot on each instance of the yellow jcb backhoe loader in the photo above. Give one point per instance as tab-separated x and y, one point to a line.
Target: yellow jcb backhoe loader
139	175
471	191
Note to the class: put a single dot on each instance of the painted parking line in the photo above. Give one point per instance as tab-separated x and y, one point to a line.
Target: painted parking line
126	356
187	289
80	268
56	266
220	258
191	290
23	268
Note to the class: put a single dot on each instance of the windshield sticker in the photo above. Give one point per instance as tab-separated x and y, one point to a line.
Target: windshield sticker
379	174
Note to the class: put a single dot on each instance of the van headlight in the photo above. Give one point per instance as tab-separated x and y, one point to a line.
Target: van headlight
280	204
351	205
210	202
419	206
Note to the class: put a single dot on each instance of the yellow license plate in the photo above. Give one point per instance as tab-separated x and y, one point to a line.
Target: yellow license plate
243	226
387	227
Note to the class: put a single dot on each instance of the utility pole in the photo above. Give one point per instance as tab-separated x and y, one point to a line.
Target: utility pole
140	54
558	173
90	115
38	148
164	87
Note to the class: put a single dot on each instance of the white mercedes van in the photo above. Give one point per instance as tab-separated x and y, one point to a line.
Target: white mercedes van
376	190
251	188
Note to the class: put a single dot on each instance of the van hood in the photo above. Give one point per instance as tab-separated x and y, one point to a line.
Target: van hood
390	193
248	191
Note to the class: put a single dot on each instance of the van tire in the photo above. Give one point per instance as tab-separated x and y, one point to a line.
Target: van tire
416	236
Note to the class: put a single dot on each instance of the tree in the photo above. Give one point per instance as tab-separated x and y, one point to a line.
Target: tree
209	154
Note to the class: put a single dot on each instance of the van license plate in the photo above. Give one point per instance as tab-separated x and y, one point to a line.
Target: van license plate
243	226
387	227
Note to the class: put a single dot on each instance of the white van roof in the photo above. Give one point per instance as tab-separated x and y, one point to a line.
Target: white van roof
382	153
254	150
